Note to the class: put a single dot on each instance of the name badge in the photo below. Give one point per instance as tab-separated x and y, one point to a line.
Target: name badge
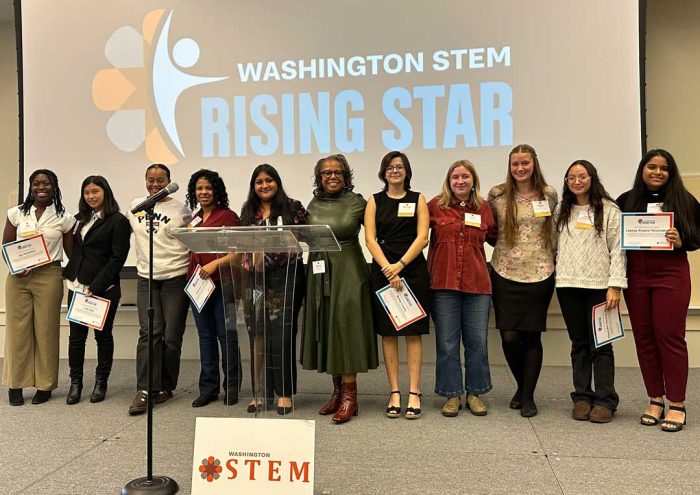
318	267
654	207
472	219
584	220
407	209
27	227
195	221
541	208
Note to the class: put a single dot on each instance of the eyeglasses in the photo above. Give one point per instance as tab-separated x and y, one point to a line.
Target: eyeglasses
330	173
573	178
395	168
160	182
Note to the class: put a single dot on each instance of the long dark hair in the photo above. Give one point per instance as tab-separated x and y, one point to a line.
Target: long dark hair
676	197
386	161
347	173
26	206
109	205
596	195
280	203
220	194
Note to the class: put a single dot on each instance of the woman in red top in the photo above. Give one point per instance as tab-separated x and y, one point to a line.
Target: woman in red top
461	221
207	189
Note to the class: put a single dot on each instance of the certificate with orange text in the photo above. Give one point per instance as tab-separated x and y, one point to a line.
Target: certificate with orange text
401	305
645	230
26	254
90	311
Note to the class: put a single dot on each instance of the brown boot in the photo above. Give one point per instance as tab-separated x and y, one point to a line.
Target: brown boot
332	406
348	404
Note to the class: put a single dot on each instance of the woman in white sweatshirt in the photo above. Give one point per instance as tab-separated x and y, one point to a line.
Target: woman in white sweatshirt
590	270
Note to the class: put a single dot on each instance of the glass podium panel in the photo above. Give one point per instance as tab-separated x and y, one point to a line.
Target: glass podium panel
262	286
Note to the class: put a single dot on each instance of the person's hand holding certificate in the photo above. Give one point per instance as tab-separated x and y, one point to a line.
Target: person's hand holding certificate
26	254
607	324
646	230
401	305
90	311
199	289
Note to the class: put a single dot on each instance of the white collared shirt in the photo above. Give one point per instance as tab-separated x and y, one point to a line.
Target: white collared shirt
50	224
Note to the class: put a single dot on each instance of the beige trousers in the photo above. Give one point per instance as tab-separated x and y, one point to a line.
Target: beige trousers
32	328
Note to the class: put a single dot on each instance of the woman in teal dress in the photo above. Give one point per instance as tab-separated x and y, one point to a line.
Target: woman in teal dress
338	338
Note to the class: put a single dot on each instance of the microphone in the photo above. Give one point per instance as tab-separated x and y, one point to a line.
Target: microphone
152	200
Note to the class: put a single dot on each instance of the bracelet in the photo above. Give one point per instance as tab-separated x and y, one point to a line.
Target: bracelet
402	262
615	289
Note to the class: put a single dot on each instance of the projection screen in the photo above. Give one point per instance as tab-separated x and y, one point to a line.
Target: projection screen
110	87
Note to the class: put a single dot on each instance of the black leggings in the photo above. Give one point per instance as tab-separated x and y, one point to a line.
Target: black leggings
523	351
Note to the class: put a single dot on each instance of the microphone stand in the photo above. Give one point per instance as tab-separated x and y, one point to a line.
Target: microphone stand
160	485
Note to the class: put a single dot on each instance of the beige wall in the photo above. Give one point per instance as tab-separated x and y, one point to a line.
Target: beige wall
673	122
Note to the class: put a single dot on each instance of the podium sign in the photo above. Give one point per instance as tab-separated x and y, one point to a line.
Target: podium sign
260	456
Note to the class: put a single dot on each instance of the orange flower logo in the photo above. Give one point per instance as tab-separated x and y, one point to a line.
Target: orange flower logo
210	469
143	86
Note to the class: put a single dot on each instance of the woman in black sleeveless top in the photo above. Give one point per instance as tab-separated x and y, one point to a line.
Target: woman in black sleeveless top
396	231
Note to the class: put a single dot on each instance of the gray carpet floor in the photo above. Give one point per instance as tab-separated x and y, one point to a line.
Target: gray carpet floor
96	448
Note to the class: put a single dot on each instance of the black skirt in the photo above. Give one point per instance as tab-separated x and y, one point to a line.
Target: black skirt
521	305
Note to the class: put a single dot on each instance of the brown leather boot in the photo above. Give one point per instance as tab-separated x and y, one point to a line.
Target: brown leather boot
348	404
334	402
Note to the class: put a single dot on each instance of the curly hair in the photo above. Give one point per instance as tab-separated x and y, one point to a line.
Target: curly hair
347	173
596	195
220	194
26	205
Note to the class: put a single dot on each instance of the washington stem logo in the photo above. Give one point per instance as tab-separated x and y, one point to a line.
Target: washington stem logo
210	469
144	84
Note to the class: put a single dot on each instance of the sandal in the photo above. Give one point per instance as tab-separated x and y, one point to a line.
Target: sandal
414	412
648	419
393	411
674	426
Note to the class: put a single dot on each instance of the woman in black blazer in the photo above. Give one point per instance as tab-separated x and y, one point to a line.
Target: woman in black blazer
101	247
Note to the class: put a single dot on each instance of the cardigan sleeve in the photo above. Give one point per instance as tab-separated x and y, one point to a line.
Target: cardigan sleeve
618	260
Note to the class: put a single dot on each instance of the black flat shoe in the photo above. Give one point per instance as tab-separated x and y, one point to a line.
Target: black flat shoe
41	396
204	400
650	420
528	409
517	401
15	396
74	392
393	411
673	426
99	392
254	407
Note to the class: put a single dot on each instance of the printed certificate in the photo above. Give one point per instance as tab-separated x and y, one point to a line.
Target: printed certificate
607	325
401	305
645	230
90	311
199	289
26	254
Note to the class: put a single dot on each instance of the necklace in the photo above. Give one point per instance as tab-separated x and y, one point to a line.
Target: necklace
525	199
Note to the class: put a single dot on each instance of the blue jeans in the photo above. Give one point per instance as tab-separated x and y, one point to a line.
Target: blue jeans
461	316
213	333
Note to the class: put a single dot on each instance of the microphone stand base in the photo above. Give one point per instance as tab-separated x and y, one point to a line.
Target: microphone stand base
160	485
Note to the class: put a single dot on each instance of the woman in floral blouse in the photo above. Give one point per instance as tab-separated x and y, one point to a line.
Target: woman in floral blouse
522	272
272	320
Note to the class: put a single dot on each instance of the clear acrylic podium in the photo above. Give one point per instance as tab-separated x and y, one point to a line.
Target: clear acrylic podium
266	280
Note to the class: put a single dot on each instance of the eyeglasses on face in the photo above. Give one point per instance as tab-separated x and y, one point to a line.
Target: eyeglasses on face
570	179
395	168
330	173
160	181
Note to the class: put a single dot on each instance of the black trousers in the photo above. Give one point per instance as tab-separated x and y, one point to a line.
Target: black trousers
272	328
588	363
105	341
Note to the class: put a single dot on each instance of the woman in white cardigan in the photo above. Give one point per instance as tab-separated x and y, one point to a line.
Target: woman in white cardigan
590	270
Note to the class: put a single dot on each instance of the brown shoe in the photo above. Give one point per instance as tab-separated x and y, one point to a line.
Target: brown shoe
581	410
451	407
334	402
348	404
600	414
476	405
